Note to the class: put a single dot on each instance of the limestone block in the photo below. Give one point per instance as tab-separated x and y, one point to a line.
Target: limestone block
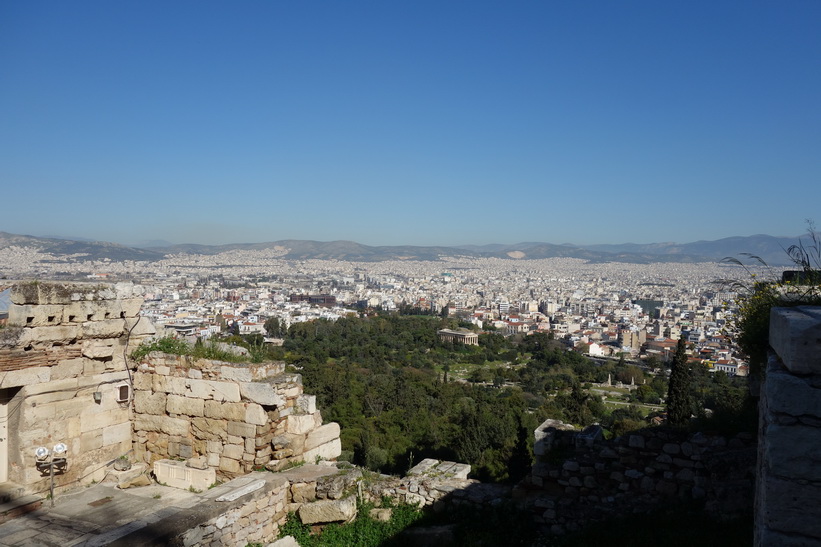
185	405
106	377
163	424
209	429
424	466
126	289
68	428
255	414
94	417
176	385
787	504
106	309
260	393
70	368
62	333
98	349
139	480
218	391
295	442
233	451
241	429
236	374
54	396
131	306
35	316
108	328
139	326
306	403
795	335
53	386
25	377
228	465
93	367
91	440
268	370
343	510
290	392
101	292
300	423
213	459
79	312
142	380
37	292
791	394
459	471
792	451
303	492
322	435
117	433
327	451
147	402
224	411
178	475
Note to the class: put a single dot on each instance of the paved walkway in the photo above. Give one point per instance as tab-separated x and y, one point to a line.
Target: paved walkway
94	516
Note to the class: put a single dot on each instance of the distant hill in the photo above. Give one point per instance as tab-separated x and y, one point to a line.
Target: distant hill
94	250
770	249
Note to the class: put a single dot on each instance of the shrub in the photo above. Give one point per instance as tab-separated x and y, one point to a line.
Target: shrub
752	321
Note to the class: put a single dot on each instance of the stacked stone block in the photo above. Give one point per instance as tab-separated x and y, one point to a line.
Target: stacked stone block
578	477
64	343
231	417
788	491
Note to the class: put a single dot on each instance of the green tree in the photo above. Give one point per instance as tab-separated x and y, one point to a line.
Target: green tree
679	398
273	327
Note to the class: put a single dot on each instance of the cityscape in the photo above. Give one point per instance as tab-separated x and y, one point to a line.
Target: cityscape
385	274
602	309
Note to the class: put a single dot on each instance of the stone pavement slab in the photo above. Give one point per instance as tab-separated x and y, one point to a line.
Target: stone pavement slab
96	515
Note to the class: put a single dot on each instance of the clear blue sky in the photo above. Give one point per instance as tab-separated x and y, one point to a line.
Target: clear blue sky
410	122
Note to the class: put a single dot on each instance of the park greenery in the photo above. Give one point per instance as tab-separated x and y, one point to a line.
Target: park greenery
400	394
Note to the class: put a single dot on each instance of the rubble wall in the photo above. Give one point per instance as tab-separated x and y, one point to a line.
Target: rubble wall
234	418
65	342
579	478
788	492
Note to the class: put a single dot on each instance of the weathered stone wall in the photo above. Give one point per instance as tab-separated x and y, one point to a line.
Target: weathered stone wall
437	484
63	343
579	478
231	417
254	520
788	492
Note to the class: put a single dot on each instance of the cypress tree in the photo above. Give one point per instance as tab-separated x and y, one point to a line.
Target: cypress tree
679	405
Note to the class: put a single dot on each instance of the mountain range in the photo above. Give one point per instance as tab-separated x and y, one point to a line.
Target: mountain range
769	248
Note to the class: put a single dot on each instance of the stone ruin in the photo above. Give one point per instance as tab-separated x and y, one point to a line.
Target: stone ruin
579	477
213	428
228	418
66	376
